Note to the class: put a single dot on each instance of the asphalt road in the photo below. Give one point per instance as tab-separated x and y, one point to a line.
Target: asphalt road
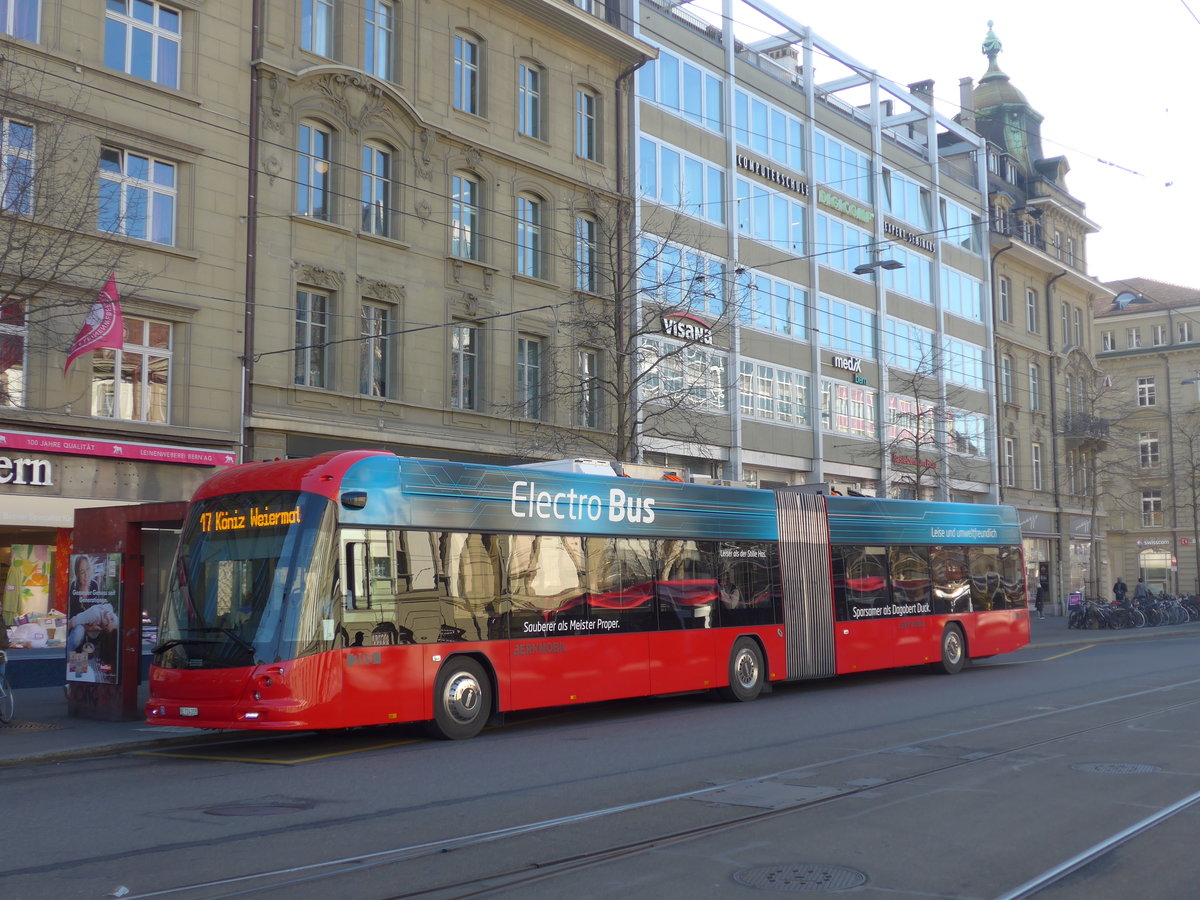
1059	772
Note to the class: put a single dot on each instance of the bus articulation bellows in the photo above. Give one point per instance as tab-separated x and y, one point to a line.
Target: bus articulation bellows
360	588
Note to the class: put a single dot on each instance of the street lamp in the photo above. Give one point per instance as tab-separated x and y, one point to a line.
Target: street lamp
868	267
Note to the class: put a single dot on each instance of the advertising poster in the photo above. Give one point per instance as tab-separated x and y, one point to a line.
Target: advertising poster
27	584
94	617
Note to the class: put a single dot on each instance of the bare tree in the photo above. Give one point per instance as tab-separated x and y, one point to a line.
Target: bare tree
54	258
640	363
1101	441
920	426
1185	432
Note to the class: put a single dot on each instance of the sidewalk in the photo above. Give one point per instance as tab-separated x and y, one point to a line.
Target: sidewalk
41	730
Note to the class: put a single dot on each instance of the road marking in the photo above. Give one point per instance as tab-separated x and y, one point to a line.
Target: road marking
293	761
1067	653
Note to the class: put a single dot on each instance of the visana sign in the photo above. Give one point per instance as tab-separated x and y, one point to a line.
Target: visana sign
686	327
34	472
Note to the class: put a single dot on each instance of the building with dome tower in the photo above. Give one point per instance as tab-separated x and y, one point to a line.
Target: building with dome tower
1049	435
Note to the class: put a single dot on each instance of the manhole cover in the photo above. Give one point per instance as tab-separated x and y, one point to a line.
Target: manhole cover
1116	768
254	810
800	877
31	726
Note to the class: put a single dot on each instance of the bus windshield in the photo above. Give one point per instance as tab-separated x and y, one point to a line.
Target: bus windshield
252	582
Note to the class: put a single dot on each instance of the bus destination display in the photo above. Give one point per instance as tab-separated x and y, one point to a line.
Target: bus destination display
241	520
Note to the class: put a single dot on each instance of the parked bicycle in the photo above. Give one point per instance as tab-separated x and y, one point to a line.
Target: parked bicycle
1163	609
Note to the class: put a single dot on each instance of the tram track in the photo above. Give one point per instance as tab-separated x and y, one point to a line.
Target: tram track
288	880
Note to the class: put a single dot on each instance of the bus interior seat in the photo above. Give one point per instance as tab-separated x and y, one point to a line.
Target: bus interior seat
385	634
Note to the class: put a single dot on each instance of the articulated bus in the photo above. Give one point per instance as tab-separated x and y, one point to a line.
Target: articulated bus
359	588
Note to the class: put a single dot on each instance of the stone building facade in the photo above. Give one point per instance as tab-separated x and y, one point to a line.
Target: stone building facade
1051	437
1148	343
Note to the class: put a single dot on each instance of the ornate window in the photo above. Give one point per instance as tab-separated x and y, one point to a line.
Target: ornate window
464	217
313	166
312	338
464	365
375	350
377	205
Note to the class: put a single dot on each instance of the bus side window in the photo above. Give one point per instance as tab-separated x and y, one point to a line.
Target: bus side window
986	590
909	567
369	606
472	586
951	592
419	571
747	584
841	603
1012	577
686	586
861	583
620	582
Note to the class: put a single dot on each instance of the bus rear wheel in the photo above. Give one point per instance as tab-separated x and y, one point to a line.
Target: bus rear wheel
462	700
954	651
745	672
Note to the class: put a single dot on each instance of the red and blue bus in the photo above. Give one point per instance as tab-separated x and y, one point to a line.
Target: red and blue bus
360	588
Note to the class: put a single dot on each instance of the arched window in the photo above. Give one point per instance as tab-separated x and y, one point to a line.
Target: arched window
530	243
530	87
586	253
468	60
465	198
377	189
313	170
587	123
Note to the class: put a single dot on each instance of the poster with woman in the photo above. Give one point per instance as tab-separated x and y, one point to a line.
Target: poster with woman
94	617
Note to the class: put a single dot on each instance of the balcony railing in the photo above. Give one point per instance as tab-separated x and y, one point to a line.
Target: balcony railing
1084	427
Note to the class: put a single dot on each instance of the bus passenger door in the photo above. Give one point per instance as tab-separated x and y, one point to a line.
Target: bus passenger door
382	679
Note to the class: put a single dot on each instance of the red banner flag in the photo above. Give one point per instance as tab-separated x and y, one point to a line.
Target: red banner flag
103	326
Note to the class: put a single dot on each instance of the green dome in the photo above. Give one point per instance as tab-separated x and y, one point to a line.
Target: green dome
995	88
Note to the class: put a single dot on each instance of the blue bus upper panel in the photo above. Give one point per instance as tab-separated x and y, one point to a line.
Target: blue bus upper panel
415	493
459	497
869	520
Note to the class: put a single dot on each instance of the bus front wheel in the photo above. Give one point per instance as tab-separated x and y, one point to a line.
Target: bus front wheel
954	651
462	700
745	672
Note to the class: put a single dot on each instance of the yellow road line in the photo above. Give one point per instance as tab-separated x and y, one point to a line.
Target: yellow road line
996	663
277	762
1067	653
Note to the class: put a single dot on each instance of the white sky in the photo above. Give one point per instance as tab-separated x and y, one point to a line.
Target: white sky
1113	82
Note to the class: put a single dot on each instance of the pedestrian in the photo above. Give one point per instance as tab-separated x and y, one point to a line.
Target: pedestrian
1141	593
1120	591
1039	599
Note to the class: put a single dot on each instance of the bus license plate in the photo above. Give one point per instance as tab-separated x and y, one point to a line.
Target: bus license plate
189	710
